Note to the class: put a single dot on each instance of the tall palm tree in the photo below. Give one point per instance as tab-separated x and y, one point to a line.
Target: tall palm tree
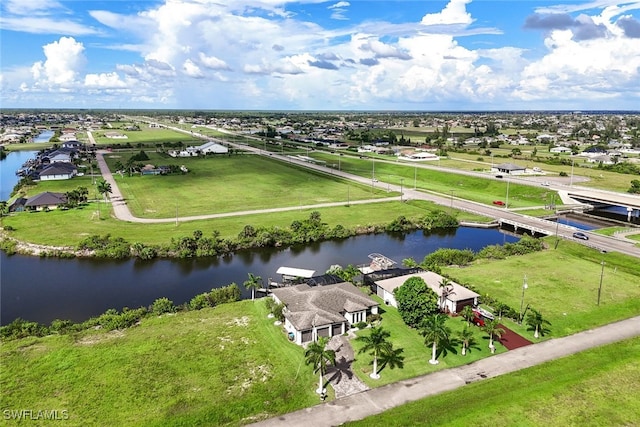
493	329
376	342
253	283
536	322
435	332
319	356
103	188
467	314
466	338
446	289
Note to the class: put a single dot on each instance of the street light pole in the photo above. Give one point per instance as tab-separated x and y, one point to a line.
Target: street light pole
401	187
571	180
524	286
506	205
601	275
415	177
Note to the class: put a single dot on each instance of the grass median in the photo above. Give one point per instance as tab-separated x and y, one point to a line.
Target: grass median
597	387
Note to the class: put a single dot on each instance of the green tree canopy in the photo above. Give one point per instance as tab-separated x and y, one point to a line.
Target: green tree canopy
416	301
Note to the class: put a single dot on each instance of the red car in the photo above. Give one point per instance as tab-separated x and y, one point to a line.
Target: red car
498	202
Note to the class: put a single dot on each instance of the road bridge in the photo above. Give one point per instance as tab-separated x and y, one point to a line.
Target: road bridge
598	197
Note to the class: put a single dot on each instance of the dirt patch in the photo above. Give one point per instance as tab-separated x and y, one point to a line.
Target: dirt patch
511	340
94	339
239	321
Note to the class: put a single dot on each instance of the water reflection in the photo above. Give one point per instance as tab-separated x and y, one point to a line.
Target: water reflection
44	289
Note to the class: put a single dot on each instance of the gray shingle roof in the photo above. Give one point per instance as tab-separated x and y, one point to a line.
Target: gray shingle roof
46	199
321	305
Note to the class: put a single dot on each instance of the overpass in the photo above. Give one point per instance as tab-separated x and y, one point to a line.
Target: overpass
609	198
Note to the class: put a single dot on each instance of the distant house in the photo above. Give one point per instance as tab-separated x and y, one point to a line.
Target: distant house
454	303
560	150
58	171
46	200
322	311
18	205
509	168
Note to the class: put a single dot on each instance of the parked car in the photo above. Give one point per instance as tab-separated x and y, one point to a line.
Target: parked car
580	235
498	202
498	176
480	316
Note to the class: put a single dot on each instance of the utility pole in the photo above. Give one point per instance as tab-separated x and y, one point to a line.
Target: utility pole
415	177
401	187
601	275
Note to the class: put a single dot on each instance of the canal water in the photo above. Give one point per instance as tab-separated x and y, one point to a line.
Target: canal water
44	289
8	167
44	136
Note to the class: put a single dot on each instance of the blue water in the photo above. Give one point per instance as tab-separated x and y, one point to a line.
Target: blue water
8	168
44	136
43	289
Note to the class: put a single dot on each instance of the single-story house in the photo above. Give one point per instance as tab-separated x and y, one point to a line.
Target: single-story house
458	298
509	168
18	205
58	171
46	200
560	150
208	148
322	311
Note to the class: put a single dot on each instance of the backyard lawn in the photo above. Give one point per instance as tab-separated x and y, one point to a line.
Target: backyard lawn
220	366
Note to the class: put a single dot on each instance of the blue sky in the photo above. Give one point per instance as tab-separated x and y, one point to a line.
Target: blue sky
316	55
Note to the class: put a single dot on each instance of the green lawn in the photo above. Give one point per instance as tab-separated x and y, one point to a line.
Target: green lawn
145	135
597	387
562	284
221	366
67	228
416	353
219	184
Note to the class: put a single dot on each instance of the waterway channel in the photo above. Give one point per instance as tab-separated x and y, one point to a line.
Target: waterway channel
44	289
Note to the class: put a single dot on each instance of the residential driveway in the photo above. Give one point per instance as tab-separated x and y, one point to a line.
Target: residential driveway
360	405
342	379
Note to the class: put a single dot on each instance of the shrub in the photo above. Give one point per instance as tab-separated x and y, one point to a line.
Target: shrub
199	302
416	301
163	305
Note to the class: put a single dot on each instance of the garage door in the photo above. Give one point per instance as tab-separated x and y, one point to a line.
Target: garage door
324	332
337	330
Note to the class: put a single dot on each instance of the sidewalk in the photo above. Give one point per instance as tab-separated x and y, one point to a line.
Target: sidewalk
375	401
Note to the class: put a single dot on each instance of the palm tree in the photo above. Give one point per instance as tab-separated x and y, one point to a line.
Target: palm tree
435	332
103	188
446	289
493	329
253	283
376	342
466	338
318	356
536	322
467	314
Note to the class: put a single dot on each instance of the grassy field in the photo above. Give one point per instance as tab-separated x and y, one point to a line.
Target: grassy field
595	177
67	228
416	353
562	284
145	135
231	183
598	387
466	187
221	366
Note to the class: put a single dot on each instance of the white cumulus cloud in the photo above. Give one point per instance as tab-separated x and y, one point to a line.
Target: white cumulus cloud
455	12
65	60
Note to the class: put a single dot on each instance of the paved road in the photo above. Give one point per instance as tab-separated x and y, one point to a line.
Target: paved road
375	401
